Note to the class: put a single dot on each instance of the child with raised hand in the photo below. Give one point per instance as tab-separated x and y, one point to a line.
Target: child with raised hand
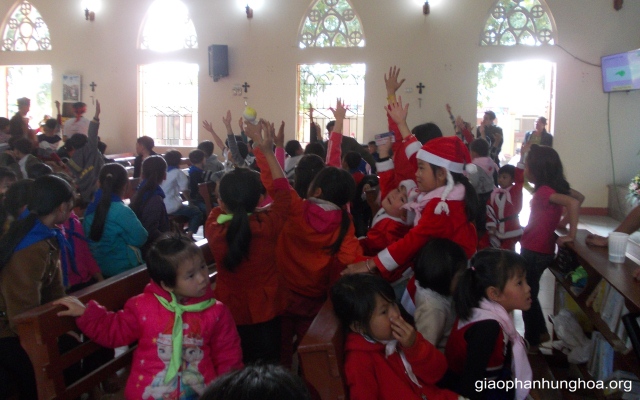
503	209
317	240
148	201
484	345
30	272
437	268
538	243
243	242
385	358
483	180
114	230
175	313
446	207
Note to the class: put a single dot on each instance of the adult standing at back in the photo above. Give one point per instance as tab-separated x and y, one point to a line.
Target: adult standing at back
19	123
492	133
538	135
144	149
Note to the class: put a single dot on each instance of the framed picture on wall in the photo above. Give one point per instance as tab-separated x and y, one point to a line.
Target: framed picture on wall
71	88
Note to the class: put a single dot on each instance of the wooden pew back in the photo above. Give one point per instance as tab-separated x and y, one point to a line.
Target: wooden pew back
322	355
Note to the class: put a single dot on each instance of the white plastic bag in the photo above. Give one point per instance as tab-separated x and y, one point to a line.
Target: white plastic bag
577	346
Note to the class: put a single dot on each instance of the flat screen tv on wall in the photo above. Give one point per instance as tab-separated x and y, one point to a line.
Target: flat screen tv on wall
621	72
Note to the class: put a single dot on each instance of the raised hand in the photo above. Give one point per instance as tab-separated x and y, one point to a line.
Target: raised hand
397	112
207	126
279	140
254	132
448	107
268	136
97	109
226	120
391	82
241	123
339	111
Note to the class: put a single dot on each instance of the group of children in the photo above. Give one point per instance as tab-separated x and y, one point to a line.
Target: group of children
281	250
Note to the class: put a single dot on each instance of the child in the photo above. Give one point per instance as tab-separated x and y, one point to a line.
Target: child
79	124
317	237
544	169
505	204
445	208
385	358
483	179
148	201
197	175
85	160
176	183
175	311
22	149
144	149
294	152
49	140
30	273
484	344
212	163
115	232
243	242
7	178
437	268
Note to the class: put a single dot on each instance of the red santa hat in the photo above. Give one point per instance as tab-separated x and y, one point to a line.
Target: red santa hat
447	152
451	154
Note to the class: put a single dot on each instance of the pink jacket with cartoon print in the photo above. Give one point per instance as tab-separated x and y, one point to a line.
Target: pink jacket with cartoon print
211	345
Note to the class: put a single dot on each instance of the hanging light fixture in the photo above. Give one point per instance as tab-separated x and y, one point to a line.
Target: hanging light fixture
426	9
249	11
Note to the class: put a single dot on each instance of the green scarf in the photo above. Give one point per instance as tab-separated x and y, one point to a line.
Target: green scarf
223	218
176	335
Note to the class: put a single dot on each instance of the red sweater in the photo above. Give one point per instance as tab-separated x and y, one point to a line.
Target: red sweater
371	375
255	291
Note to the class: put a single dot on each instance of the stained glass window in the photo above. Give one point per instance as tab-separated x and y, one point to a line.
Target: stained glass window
26	30
168	27
519	22
331	23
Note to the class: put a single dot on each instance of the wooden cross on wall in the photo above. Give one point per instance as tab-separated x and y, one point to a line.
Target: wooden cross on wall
246	86
420	87
93	86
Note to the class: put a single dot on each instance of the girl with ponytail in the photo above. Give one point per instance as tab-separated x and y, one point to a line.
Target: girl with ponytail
115	233
148	202
243	240
30	272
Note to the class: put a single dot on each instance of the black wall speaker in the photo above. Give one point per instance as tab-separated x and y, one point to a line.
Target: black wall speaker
218	61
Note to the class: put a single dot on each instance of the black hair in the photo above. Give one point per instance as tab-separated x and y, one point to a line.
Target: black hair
437	264
23	145
76	141
37	170
51	123
16	197
4	122
330	125
240	191
154	171
258	381
471	204
173	158
6	172
339	188
372	143
508	169
479	146
243	149
490	114
426	132
292	147
166	254
352	159
196	156
544	164
146	142
78	104
206	146
304	173
489	267
48	193
113	180
316	148
354	299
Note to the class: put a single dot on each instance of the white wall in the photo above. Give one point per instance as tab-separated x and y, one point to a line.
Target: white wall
440	50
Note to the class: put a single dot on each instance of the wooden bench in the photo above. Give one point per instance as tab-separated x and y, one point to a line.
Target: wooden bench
321	355
207	191
40	328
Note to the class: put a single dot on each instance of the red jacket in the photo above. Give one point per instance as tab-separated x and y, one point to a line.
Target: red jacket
502	214
301	251
255	291
404	154
371	375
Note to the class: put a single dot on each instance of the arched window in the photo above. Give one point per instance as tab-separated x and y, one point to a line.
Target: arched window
26	30
168	27
331	23
519	22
